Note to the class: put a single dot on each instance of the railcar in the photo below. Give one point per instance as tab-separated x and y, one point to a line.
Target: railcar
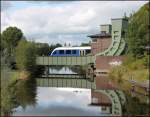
71	51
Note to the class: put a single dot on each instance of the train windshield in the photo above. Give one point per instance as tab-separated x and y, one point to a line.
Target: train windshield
54	52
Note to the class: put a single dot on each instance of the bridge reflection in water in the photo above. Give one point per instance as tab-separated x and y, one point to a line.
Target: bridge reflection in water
66	82
116	97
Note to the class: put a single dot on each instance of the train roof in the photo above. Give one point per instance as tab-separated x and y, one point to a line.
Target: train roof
72	48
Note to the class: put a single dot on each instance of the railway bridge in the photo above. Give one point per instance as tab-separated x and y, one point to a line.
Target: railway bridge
64	60
116	47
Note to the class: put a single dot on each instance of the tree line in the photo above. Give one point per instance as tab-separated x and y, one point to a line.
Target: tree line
15	48
138	32
136	63
19	53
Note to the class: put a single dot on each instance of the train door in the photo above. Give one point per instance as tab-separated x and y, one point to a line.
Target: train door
82	53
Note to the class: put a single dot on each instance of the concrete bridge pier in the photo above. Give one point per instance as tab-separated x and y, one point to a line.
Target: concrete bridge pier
47	70
90	72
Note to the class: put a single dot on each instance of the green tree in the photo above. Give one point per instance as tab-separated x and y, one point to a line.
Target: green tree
1	43
45	49
42	49
138	31
85	44
58	45
52	47
11	36
26	56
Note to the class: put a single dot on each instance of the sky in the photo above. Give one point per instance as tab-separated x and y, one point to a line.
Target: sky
63	22
50	102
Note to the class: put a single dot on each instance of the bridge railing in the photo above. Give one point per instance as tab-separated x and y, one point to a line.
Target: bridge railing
64	60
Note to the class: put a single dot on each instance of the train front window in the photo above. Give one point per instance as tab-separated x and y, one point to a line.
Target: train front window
88	51
61	51
68	51
74	52
54	52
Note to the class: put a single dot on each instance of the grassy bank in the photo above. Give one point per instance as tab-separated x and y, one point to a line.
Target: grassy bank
17	89
132	70
134	107
8	100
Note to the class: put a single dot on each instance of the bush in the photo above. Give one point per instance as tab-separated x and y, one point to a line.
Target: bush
26	56
8	96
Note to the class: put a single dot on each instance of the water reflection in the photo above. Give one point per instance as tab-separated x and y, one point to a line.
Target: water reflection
26	92
134	107
26	98
63	70
61	102
20	93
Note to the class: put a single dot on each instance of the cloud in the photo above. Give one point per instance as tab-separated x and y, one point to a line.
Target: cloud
66	23
5	5
61	102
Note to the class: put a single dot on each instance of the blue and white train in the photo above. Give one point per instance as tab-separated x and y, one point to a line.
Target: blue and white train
71	51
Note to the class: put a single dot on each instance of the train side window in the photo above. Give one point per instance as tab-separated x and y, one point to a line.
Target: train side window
88	51
68	51
74	52
61	51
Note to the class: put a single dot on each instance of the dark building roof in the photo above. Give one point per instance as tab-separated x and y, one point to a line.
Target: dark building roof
100	35
125	18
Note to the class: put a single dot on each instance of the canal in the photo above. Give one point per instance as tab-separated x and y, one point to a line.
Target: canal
56	101
69	96
60	102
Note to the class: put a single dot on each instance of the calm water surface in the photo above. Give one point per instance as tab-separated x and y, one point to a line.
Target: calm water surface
26	98
61	70
60	102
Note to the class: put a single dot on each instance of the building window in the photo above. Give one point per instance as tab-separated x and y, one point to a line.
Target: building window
103	108
94	40
123	33
103	31
61	51
94	100
115	32
74	52
116	36
68	51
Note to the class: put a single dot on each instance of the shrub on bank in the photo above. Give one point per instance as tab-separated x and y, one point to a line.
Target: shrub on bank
26	56
136	69
8	96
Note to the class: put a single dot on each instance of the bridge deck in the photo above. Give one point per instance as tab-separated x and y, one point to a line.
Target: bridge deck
64	60
65	82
